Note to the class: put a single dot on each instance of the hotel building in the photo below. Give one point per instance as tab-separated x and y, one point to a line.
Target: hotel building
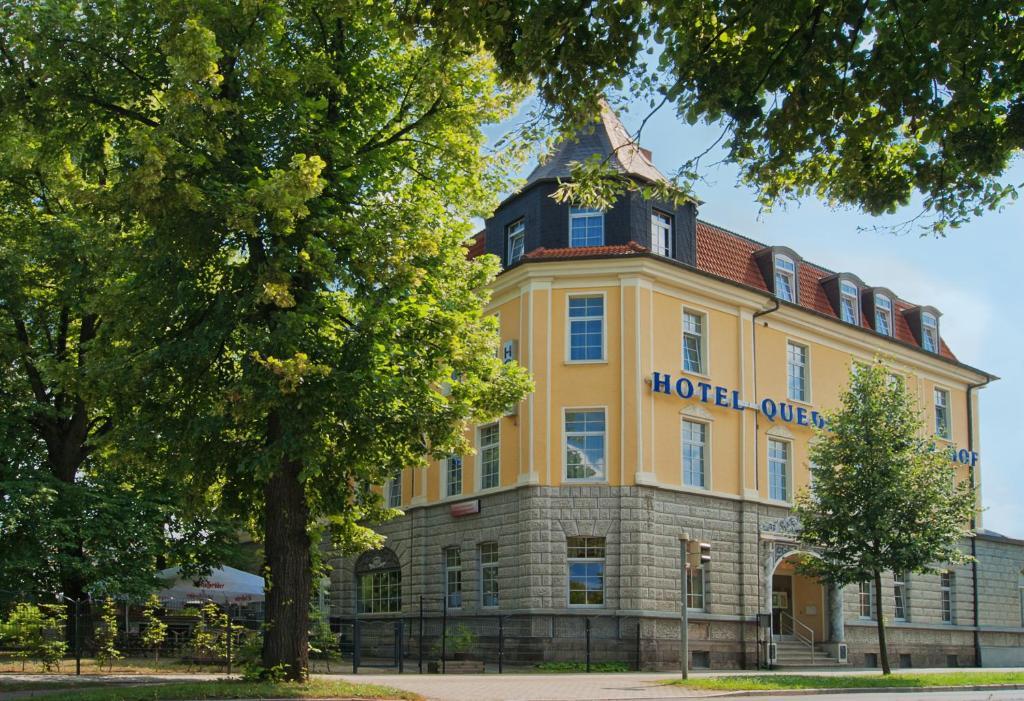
680	369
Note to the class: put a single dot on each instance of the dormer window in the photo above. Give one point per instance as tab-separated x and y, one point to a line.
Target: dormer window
883	315
515	233
586	227
661	234
785	278
848	302
929	332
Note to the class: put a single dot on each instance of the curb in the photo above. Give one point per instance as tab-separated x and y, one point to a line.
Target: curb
873	690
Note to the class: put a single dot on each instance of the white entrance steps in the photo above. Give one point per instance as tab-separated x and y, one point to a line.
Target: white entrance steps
795	654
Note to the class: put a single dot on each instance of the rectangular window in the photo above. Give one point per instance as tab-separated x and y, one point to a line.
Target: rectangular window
453	475
586	571
696	582
942	427
586	328
778	470
693	342
930	332
489	456
899	589
489	575
866	596
394	489
586	227
946	594
848	302
785	278
661	234
796	372
585	445
515	234
883	315
453	577
694	453
380	592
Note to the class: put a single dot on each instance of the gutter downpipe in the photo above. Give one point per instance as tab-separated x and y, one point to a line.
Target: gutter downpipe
757	461
974	538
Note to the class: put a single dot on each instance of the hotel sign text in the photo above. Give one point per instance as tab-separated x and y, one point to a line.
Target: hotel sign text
773	410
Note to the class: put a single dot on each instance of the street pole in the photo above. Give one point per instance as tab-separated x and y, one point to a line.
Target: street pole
684	619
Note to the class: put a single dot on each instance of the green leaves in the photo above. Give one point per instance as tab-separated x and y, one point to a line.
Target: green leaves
884	498
873	104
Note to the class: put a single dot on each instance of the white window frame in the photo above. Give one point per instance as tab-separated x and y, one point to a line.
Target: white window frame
945	394
866	589
853	297
489	568
1020	587
515	237
603	561
705	452
482	454
946	601
394	491
886	312
661	226
804	367
702	342
929	332
900	596
782	272
565	443
584	213
568	327
787	477
453	575
448	493
700	574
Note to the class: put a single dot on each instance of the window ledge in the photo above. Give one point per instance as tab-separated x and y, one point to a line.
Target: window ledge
586	362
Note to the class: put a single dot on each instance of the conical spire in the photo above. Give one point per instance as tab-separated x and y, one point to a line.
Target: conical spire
606	137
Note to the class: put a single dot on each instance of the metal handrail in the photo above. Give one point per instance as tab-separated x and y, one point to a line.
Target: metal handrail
806	640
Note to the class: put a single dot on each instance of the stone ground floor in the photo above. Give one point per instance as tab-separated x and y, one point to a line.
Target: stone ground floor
537	572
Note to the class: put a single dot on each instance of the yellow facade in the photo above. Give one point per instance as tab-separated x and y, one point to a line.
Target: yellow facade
644	301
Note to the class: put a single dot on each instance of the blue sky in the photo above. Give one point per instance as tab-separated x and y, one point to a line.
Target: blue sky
971	276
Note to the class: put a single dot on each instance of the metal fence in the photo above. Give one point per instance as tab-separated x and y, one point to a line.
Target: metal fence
49	635
438	640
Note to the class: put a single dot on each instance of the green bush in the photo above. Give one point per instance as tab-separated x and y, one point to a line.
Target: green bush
36	633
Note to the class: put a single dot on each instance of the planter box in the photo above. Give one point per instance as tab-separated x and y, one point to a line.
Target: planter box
456	667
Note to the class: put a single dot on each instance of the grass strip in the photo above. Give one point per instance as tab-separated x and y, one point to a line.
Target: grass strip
228	689
782	682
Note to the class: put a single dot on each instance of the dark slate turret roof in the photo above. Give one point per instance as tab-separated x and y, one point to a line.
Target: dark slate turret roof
606	137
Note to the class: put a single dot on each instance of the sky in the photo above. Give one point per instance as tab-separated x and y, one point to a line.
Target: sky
971	276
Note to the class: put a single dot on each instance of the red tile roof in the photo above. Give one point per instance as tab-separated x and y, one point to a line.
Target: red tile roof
476	247
585	251
730	256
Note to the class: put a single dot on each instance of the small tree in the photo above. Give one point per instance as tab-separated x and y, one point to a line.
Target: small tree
322	643
106	636
155	634
36	632
884	498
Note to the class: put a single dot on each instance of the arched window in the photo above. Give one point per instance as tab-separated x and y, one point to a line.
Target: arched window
378	582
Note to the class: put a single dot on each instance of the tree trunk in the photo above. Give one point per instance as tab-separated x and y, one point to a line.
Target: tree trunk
288	571
883	649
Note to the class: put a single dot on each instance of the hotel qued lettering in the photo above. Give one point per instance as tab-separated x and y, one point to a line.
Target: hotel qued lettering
681	370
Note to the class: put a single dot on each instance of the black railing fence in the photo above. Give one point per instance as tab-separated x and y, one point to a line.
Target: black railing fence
50	635
437	639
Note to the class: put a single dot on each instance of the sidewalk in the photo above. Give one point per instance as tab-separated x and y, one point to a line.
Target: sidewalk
584	687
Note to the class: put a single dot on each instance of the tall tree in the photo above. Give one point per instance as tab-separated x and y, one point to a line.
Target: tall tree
296	180
70	520
857	102
884	497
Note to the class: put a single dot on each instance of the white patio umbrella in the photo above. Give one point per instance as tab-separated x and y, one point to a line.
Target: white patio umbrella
224	585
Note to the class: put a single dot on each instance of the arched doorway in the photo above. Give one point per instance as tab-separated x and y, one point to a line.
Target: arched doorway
799	604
